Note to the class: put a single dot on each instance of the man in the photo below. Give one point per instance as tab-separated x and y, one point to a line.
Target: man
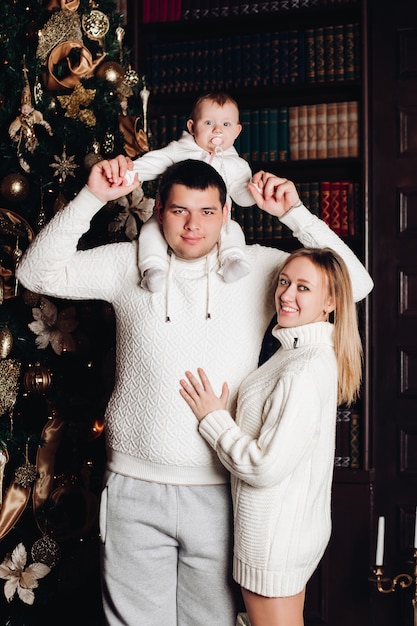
165	516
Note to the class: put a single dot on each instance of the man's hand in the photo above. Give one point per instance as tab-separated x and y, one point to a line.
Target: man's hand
107	178
273	194
200	396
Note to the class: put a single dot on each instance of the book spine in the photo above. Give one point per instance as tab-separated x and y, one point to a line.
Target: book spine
314	205
273	134
265	59
342	129
293	133
325	202
355	441
245	134
339	53
353	128
332	150
264	132
275	56
328	45
319	55
349	46
344	207
310	55
302	131
293	57
335	216
256	78
254	135
312	131
284	58
283	134
249	223
321	130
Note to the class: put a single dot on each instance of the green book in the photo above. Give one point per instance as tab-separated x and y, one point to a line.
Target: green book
283	134
273	134
264	135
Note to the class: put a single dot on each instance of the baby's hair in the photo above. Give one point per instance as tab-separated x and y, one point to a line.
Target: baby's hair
217	97
347	340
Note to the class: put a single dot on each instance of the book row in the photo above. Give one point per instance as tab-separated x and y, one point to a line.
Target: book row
314	55
336	202
174	10
318	131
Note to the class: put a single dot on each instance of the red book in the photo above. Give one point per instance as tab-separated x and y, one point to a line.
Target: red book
345	192
325	201
146	11
335	201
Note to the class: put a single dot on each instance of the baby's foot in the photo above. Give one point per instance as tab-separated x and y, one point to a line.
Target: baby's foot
153	280
234	268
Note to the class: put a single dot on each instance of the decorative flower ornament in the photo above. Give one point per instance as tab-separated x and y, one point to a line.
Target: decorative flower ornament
20	579
53	327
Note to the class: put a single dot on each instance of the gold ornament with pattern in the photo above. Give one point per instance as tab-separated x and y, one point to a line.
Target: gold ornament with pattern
73	103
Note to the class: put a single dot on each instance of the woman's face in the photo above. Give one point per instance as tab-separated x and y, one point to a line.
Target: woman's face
302	294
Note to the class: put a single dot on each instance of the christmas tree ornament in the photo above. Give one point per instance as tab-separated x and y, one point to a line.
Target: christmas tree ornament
25	475
38	379
108	142
144	96
46	550
9	384
4	458
19	578
83	67
93	156
95	25
15	187
61	26
131	77
64	166
111	71
75	105
6	342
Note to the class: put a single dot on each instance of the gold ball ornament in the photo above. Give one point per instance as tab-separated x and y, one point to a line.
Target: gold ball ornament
38	379
111	71
15	187
96	24
6	342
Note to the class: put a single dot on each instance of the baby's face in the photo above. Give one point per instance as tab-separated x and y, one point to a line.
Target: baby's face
216	126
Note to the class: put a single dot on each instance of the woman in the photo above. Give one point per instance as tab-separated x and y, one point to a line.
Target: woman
280	450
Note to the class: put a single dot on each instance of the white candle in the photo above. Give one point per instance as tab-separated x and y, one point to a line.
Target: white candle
379	560
415	532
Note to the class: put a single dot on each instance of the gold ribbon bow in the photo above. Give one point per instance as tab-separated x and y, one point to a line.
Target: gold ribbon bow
84	69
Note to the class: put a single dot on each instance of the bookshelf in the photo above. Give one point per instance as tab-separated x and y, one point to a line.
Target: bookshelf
298	70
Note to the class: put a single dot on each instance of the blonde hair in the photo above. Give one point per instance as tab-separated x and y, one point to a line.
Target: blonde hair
347	340
217	97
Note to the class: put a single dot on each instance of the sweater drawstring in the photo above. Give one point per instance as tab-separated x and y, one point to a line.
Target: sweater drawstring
168	288
208	313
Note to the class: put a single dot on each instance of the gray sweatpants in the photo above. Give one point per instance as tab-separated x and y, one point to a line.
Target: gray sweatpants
166	554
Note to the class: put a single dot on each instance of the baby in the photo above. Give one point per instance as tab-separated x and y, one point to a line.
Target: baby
212	129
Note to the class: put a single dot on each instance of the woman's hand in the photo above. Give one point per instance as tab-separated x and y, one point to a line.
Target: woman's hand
273	194
200	396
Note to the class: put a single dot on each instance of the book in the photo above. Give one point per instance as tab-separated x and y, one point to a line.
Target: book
283	134
254	135
345	192
302	131
273	134
343	438
264	132
284	57
246	51
294	51
320	70
275	56
310	55
339	52
321	130
312	131
244	137
355	440
342	129
332	150
335	215
265	59
353	128
328	46
349	56
314	205
325	201
293	133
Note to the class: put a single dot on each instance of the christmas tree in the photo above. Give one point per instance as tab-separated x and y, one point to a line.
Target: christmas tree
68	98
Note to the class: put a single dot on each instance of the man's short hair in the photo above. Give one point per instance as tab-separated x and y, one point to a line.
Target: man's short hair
194	175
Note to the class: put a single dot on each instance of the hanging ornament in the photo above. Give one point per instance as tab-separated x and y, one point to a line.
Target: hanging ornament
15	187
108	142
74	105
9	384
131	77
120	35
46	550
111	71
22	129
4	458
38	379
25	475
93	156
6	342
64	166
144	96
96	25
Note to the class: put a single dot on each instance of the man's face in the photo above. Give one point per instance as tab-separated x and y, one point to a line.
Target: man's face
192	220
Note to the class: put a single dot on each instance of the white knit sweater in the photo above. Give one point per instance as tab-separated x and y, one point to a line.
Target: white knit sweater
280	452
151	433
